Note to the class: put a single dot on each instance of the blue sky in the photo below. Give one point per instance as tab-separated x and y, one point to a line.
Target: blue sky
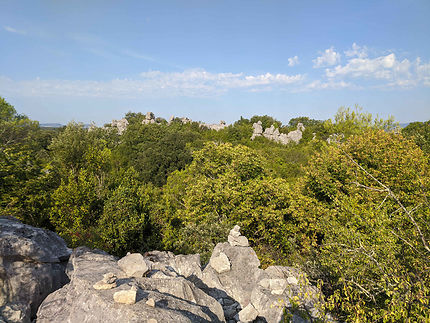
214	60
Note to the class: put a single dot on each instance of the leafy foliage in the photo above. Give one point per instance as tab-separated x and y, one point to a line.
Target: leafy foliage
373	224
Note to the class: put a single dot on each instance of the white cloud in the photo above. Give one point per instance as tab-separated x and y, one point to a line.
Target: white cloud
423	72
386	69
292	61
189	83
13	30
357	51
328	58
381	68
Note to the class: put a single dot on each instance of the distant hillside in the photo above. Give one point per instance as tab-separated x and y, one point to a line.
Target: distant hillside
57	125
51	125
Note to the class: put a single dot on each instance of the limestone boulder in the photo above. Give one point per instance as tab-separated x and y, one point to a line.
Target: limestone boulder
32	265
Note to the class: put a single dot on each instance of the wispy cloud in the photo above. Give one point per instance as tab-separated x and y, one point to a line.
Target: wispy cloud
189	83
328	85
137	55
328	58
293	61
356	51
13	30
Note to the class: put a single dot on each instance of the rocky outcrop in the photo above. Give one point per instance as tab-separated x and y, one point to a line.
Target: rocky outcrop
251	294
120	125
214	126
153	287
149	118
32	265
273	133
164	287
165	293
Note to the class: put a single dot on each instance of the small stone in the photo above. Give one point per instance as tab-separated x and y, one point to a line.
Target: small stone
125	297
101	285
220	263
152	321
248	314
150	302
235	232
292	280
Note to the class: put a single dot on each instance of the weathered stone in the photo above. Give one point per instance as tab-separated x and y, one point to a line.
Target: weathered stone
125	297
150	302
77	302
240	241
133	265
108	282
32	265
292	280
101	285
235	232
273	134
216	127
220	263
239	282
149	118
120	125
277	286
248	314
257	130
152	321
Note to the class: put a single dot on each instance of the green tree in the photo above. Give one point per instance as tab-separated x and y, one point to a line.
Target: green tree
420	132
223	186
26	178
154	150
77	206
349	121
125	224
371	221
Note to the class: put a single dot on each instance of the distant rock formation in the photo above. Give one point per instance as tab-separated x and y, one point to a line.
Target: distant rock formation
273	133
163	287
149	118
121	125
32	265
217	126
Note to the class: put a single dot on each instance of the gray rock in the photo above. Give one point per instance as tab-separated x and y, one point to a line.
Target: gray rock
150	302
32	265
133	265
273	134
177	299
121	125
240	241
248	314
125	297
257	130
220	263
217	126
239	282
149	118
108	282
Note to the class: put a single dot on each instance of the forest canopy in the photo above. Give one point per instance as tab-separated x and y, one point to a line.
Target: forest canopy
348	204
